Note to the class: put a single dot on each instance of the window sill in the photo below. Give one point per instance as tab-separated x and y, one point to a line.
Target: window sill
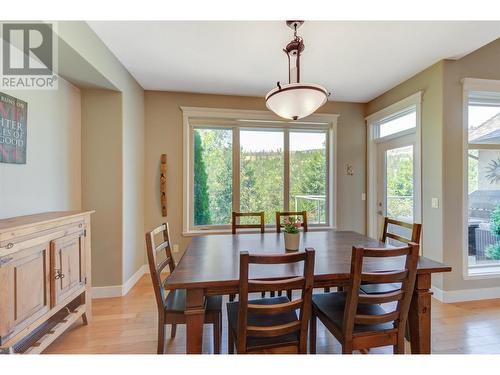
488	272
206	232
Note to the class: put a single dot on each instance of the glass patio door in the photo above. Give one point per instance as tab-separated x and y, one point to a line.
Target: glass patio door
396	180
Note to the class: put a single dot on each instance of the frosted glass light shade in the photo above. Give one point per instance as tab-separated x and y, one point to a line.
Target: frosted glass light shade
296	100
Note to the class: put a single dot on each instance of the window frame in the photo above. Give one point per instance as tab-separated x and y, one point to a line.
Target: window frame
468	85
251	119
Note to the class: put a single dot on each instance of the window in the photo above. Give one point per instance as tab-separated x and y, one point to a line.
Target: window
308	170
257	165
397	122
483	181
261	172
212	176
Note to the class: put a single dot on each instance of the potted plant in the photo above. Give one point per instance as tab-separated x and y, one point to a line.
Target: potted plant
292	234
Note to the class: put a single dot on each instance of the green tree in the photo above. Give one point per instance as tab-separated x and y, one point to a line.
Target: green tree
201	198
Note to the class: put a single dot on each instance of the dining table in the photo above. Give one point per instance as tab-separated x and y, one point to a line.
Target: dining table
210	266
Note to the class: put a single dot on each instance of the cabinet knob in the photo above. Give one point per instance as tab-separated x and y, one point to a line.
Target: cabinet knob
59	274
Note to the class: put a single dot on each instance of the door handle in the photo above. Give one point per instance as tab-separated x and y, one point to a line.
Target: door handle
59	274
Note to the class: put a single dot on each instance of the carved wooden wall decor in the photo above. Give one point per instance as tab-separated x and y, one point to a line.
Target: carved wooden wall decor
163	185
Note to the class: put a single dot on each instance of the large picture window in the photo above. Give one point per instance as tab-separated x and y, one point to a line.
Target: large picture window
483	181
258	166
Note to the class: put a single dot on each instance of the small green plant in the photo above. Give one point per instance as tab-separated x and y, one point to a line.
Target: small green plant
291	225
493	251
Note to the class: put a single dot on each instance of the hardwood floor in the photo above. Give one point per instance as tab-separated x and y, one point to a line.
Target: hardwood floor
128	325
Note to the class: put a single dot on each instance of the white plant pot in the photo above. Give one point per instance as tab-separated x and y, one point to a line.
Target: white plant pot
292	241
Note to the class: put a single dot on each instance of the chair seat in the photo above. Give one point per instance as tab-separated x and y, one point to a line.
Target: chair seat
380	288
332	305
264	321
176	301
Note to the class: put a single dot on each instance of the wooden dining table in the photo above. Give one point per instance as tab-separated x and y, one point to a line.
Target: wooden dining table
210	266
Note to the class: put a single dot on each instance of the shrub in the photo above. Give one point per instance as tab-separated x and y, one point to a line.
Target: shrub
493	251
495	221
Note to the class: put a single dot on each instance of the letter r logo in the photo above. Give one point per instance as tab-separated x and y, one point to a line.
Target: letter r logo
34	40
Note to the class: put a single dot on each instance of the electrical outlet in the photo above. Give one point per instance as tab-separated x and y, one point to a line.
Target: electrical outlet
435	202
176	248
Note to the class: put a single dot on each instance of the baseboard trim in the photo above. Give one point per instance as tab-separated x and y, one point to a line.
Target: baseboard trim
119	290
134	278
450	296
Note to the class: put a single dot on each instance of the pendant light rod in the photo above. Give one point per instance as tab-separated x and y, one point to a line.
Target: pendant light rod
295	100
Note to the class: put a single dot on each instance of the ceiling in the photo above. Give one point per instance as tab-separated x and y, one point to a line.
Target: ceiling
356	61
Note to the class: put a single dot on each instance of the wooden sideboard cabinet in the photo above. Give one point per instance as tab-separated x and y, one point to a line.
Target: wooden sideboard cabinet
44	278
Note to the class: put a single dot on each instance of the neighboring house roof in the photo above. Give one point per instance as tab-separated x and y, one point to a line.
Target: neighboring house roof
488	132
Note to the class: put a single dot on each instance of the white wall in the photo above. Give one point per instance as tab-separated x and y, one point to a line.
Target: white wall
51	178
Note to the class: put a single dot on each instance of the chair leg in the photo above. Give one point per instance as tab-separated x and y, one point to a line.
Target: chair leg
230	341
161	335
280	293
312	334
289	294
231	297
272	293
263	294
217	333
173	331
399	348
327	289
346	348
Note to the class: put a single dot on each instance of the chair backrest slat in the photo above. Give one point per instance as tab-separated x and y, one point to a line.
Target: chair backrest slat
236	225
156	266
415	228
304	282
384	277
380	298
280	214
376	319
275	308
282	329
405	276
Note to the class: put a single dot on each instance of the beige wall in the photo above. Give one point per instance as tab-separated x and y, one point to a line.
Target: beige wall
164	135
482	63
102	177
429	81
51	178
83	48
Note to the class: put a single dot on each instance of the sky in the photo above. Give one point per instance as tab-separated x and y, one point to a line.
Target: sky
264	140
478	115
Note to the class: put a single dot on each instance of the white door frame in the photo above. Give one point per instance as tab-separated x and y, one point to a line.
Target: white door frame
372	158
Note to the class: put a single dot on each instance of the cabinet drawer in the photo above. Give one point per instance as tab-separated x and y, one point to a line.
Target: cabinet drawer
24	289
67	257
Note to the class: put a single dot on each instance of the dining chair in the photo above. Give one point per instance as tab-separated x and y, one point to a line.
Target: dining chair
280	214
236	225
271	324
171	305
356	319
389	226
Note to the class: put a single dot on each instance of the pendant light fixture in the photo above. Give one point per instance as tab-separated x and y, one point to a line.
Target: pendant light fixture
296	99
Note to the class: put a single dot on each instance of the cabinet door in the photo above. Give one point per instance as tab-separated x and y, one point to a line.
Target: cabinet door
67	267
24	288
